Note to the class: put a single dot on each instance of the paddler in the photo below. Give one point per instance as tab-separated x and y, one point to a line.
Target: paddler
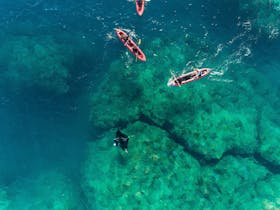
139	2
125	38
198	73
135	50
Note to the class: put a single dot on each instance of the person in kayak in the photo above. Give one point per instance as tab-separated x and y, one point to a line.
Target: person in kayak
198	73
139	2
125	38
178	81
121	140
135	50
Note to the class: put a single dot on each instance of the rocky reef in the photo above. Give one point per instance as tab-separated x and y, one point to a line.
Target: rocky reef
196	145
155	171
34	62
263	15
158	173
208	117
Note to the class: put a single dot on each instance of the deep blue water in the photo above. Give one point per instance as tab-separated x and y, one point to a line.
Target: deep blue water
40	130
39	133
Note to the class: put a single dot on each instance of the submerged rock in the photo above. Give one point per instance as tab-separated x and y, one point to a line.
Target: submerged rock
34	62
263	16
209	116
214	133
154	172
157	173
270	135
231	184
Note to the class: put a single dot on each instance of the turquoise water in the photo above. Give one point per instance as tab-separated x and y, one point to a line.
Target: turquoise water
67	84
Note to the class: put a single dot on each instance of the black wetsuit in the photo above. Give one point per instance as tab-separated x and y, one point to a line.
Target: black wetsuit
121	139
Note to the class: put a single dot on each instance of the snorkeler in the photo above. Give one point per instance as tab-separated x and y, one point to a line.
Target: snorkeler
122	140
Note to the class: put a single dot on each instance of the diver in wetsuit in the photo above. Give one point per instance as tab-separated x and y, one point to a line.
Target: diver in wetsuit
122	140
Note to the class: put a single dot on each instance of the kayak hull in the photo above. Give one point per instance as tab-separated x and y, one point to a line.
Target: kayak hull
189	77
130	44
140	7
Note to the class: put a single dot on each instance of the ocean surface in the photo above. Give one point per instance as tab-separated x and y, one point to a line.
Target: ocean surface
61	60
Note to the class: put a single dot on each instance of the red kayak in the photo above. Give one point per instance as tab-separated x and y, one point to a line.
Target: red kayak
188	77
130	44
140	5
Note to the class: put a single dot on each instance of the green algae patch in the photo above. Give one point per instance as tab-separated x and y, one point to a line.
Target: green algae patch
34	62
155	171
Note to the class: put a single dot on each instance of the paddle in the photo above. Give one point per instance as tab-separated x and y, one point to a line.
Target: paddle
139	43
174	76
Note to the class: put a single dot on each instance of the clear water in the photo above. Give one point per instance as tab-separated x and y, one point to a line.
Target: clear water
46	130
